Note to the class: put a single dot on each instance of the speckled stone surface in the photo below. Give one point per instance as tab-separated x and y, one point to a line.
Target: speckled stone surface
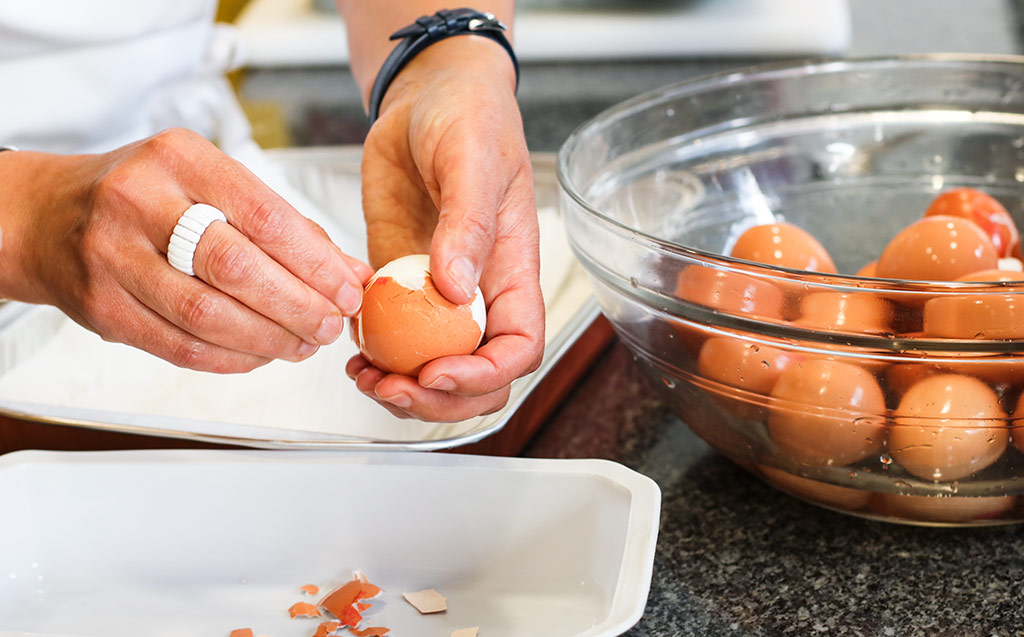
737	557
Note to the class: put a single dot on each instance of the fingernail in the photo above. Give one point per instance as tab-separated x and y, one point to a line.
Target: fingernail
306	350
464	274
349	298
330	330
400	400
442	383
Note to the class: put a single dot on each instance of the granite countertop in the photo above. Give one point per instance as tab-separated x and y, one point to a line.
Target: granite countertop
735	556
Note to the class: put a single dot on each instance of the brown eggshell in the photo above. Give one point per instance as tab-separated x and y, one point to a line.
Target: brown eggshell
405	322
824	493
827	412
748	367
944	509
869	269
938	248
989	315
731	292
948	427
864	313
1017	424
984	210
783	245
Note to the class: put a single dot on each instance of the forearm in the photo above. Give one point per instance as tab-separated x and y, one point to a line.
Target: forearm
371	22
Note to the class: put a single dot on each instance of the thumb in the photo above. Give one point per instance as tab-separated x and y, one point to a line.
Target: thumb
464	236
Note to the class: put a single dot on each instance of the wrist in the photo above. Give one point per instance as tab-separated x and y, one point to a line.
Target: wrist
463	59
26	186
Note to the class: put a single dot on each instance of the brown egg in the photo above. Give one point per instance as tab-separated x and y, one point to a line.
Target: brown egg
989	315
824	493
985	211
740	363
783	245
864	313
749	367
405	322
1017	424
901	377
944	508
869	269
947	427
731	292
939	248
827	412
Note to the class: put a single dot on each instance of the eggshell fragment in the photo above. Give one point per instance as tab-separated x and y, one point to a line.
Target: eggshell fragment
827	412
945	508
783	245
947	427
373	631
310	589
327	628
939	248
824	493
426	601
405	322
303	609
241	632
466	632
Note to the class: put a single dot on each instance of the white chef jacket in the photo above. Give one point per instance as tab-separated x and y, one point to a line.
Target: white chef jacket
92	75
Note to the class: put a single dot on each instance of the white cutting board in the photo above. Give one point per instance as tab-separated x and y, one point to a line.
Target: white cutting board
292	33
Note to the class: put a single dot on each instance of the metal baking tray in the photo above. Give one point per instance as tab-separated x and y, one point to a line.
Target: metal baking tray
54	372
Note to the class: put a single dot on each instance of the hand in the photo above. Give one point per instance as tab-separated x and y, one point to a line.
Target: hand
446	171
92	236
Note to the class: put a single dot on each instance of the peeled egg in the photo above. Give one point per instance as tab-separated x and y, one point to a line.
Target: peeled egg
947	427
405	322
827	412
783	245
937	248
985	211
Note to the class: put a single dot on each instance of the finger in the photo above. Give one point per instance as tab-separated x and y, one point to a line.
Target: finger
130	322
267	220
367	379
474	183
231	263
208	313
403	393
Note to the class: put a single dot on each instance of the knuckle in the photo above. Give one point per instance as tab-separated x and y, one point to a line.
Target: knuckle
198	311
187	353
265	223
226	261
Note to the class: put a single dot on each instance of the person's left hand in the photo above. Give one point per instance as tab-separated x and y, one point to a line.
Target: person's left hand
446	171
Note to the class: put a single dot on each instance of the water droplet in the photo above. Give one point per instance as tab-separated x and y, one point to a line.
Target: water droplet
766	364
670	383
885	459
633	282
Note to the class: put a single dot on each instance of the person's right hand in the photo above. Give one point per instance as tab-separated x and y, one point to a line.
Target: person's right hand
89	234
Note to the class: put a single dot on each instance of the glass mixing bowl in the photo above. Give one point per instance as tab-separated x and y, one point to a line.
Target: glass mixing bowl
880	416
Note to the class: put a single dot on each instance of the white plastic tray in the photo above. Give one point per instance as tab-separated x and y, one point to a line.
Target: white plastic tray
197	543
53	371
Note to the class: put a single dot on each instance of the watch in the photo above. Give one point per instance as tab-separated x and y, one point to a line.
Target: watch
430	29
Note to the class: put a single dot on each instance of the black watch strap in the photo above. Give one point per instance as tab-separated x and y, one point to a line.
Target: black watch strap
428	30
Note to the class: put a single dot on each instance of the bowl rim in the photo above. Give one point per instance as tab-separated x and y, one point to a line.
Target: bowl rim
758	72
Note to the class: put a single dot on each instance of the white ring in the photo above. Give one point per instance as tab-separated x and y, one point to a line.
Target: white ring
189	230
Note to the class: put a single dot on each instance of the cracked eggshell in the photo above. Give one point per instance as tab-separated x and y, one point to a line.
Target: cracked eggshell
405	322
